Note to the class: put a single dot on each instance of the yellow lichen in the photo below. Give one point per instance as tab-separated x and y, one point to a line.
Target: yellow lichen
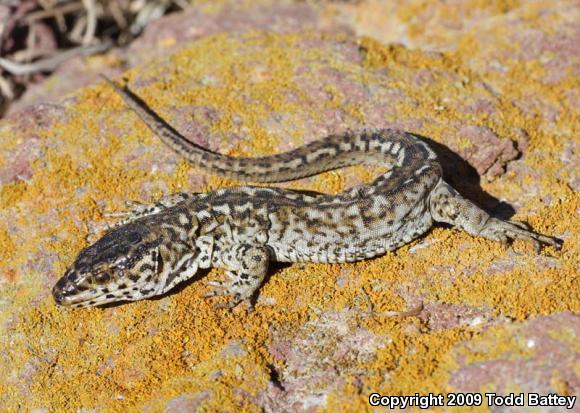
7	247
146	353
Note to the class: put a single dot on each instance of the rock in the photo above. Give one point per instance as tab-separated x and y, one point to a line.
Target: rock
534	361
484	150
315	340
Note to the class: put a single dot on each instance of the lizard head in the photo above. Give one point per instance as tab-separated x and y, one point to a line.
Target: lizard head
144	258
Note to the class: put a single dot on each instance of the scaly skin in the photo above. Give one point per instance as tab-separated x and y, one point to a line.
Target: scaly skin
241	229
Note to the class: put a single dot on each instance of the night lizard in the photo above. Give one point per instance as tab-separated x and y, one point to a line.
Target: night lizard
242	229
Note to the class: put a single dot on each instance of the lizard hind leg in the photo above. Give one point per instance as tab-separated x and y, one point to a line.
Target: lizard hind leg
447	205
246	267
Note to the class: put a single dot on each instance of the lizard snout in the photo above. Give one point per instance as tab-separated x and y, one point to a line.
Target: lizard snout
64	290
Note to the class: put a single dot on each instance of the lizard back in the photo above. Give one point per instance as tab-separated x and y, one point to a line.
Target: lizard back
359	223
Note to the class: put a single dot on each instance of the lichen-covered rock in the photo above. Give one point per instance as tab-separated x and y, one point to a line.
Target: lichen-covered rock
321	337
535	358
525	53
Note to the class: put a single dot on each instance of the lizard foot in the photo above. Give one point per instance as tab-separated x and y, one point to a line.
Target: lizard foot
447	205
504	231
247	269
235	288
136	210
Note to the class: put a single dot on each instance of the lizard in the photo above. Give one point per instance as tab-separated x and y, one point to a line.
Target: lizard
241	229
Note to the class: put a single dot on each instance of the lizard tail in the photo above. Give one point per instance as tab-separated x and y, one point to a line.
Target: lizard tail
384	147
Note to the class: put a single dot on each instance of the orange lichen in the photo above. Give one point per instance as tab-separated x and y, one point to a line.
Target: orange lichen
144	354
7	247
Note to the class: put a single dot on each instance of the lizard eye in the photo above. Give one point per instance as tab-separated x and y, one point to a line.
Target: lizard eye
102	277
134	237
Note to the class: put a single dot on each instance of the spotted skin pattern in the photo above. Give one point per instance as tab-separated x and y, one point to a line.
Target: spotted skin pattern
241	229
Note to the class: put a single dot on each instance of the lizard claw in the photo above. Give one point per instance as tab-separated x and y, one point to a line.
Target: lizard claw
522	225
133	207
119	214
504	240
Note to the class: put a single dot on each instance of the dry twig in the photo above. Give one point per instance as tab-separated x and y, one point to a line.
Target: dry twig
70	28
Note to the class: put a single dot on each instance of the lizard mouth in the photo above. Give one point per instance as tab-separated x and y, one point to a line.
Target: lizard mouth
67	294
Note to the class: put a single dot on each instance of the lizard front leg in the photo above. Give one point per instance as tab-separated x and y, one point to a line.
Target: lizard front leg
246	266
447	205
138	210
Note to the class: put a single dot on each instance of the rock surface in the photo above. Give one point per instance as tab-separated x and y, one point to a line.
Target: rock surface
494	318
